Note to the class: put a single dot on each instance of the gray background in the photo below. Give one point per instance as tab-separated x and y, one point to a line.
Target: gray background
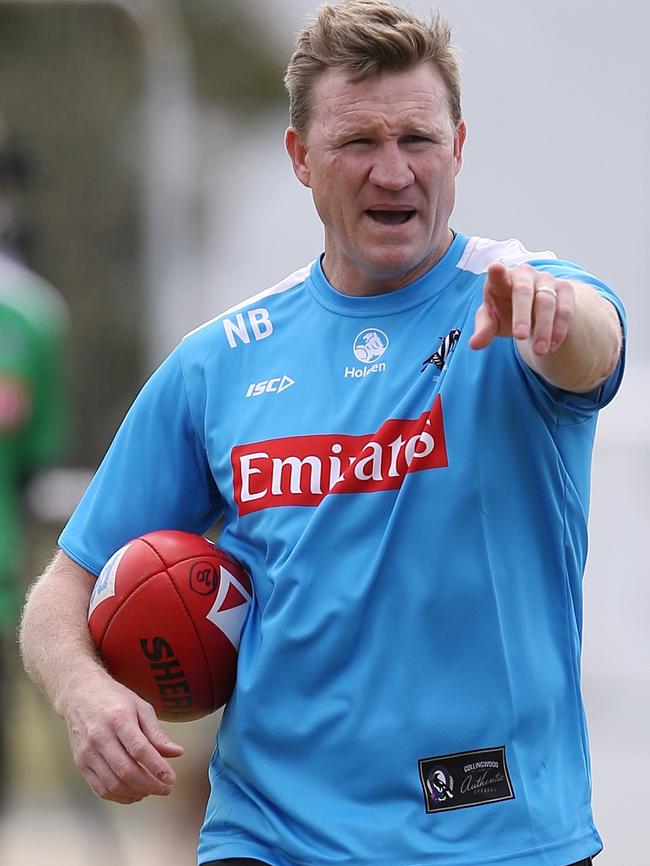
555	98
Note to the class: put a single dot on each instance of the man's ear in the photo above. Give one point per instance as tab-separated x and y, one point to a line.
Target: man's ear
459	141
298	154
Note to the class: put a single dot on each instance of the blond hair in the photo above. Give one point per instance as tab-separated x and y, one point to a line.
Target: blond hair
365	38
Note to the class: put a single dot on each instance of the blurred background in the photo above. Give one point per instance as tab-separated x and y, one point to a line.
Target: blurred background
151	188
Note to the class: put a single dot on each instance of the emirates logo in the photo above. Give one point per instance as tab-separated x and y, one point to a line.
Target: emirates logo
302	470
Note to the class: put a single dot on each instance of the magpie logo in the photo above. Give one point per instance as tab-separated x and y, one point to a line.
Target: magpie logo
440	785
444	350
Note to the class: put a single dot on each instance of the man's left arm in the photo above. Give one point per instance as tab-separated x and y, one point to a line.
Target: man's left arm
564	329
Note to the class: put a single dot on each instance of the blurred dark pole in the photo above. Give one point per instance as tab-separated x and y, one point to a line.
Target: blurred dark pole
18	169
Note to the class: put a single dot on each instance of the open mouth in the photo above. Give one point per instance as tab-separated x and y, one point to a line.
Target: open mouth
391	217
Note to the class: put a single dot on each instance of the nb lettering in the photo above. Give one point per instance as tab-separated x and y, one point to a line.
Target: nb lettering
259	323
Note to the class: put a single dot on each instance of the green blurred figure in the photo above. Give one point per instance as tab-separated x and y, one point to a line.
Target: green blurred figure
33	402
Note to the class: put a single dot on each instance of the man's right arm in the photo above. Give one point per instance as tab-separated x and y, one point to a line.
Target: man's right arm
117	741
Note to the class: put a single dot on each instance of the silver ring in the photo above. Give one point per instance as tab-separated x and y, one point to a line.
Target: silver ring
549	290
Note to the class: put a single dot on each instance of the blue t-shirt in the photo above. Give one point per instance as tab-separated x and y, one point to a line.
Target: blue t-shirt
414	517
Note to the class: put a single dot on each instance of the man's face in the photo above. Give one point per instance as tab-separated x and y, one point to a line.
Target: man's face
380	157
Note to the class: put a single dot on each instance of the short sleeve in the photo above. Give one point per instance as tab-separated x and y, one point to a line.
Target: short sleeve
568	407
155	475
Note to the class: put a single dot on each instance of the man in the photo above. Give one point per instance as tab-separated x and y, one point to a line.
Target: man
411	506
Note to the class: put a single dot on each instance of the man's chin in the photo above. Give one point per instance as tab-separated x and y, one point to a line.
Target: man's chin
395	264
391	260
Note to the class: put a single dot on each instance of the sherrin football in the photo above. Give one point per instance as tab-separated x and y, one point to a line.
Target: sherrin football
166	615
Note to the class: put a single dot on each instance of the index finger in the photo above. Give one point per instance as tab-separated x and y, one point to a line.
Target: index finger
523	292
498	278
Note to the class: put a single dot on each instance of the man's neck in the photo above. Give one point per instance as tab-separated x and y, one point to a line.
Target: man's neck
350	279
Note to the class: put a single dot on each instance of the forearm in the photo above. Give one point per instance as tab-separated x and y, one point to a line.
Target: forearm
56	647
116	739
589	352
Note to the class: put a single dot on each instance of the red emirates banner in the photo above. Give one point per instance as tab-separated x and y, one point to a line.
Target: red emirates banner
302	470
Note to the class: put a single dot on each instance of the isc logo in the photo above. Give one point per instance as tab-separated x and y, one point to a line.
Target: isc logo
270	386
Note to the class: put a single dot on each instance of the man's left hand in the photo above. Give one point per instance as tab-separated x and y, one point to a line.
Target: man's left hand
565	331
524	303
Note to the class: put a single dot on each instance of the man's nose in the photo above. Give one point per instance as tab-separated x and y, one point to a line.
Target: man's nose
390	169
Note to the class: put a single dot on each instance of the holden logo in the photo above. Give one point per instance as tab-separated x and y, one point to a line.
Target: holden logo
370	345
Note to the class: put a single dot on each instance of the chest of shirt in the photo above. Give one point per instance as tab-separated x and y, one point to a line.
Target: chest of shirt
322	387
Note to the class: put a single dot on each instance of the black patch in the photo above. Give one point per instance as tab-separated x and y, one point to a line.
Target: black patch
465	779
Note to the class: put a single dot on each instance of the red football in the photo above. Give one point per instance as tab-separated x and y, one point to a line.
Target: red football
166	615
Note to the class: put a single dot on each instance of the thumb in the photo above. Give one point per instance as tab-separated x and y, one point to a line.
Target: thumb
168	748
156	735
486	327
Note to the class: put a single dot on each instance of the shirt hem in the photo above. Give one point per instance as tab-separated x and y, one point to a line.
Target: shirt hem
563	854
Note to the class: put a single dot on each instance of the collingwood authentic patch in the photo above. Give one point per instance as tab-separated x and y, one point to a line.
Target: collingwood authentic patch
465	779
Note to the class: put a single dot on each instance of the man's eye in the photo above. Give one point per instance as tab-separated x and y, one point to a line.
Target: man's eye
358	142
416	139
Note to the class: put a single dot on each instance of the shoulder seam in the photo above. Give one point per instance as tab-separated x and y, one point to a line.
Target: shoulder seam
187	400
481	252
290	282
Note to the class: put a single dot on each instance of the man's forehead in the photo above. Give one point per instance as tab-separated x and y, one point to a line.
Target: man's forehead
419	92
